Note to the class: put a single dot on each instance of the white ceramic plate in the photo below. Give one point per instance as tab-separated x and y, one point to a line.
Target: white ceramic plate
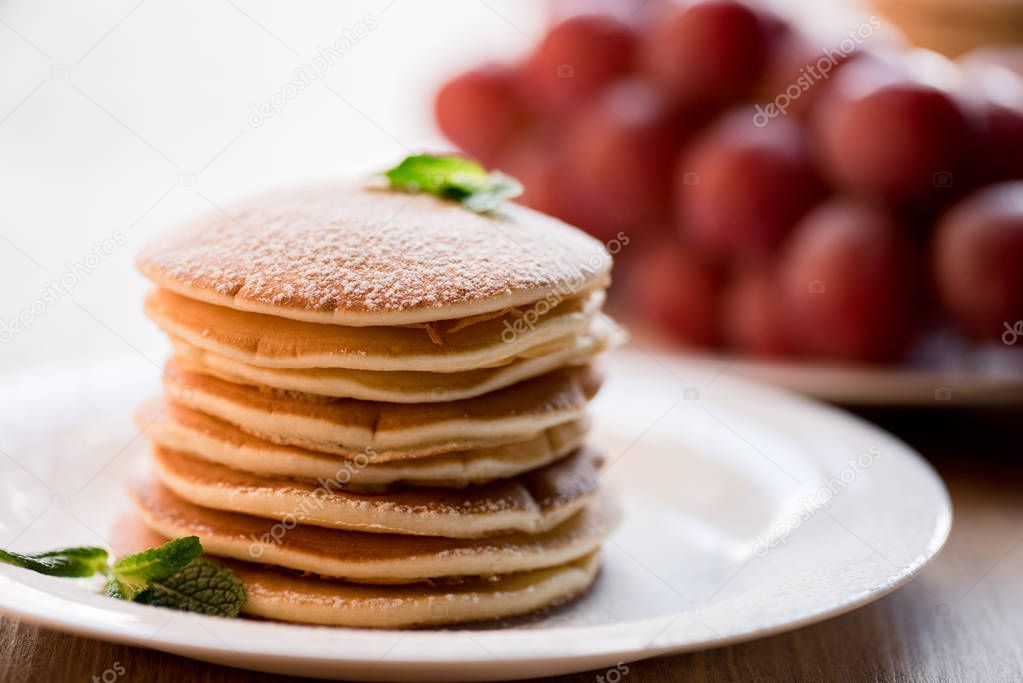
748	511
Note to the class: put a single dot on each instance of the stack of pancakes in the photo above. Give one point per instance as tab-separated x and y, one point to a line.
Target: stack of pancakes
376	406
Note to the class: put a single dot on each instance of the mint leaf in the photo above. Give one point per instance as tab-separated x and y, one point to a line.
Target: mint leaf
499	188
67	562
454	177
204	586
134	573
433	174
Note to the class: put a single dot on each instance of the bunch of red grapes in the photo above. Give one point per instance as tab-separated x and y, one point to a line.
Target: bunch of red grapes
780	194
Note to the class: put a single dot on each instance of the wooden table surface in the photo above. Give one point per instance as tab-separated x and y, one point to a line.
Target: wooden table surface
961	619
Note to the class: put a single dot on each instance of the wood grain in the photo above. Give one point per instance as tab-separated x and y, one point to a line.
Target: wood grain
961	619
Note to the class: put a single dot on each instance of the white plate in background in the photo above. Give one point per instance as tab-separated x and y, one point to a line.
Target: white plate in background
877	385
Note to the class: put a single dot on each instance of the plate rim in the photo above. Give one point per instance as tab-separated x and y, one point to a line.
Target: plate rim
804	377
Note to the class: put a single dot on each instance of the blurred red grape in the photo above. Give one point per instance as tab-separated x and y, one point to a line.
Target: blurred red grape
883	135
707	54
622	152
799	69
675	288
751	312
849	284
740	188
575	60
993	95
979	260
534	157
479	110
998	154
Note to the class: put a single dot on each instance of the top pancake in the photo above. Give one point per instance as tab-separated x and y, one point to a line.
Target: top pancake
351	255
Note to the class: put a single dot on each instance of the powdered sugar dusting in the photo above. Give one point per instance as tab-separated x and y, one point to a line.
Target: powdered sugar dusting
344	248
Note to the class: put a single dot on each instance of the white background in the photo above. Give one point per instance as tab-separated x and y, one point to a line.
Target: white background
106	108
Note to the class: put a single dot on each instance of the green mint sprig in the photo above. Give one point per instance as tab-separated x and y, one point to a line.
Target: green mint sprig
204	586
454	177
134	573
173	575
71	562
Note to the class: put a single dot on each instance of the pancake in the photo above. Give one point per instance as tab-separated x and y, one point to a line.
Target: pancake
446	346
382	432
531	503
370	558
349	255
393	387
177	427
285	595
